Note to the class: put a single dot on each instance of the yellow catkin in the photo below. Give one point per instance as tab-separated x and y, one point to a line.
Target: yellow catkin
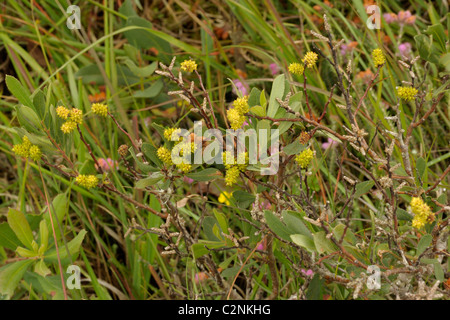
296	68
241	105
234	166
76	115
184	167
27	150
87	181
235	118
231	176
378	57
304	158
310	59
62	112
100	109
189	65
172	133
406	93
165	155
422	212
68	126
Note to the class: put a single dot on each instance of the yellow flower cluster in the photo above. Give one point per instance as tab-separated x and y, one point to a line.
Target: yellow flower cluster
231	176
422	212
100	109
188	65
68	126
62	112
236	115
27	150
241	105
180	147
73	117
87	181
406	93
172	132
235	118
234	166
165	155
184	167
378	57
296	68
304	158
310	59
225	197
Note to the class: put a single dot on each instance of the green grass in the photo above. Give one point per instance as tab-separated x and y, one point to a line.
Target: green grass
113	52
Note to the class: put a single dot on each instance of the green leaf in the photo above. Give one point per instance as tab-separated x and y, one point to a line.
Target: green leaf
264	125
423	244
423	45
43	232
19	91
304	241
150	153
253	99
315	288
258	110
127	9
445	61
339	231
295	104
91	74
363	187
294	148
221	219
277	92
41	268
159	128
438	272
323	244
145	168
151	91
145	40
11	274
58	207
7	237
73	246
295	223
277	226
150	181
232	271
29	119
142	72
263	100
403	215
48	285
205	175
208	229
439	37
198	249
25	253
243	199
39	104
20	226
421	166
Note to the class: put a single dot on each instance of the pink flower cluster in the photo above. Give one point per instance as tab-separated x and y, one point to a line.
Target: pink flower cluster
241	86
107	164
402	18
404	48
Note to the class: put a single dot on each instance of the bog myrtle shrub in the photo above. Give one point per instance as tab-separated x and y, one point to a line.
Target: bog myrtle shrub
263	197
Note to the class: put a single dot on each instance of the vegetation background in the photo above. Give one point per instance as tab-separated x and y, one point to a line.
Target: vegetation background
239	45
